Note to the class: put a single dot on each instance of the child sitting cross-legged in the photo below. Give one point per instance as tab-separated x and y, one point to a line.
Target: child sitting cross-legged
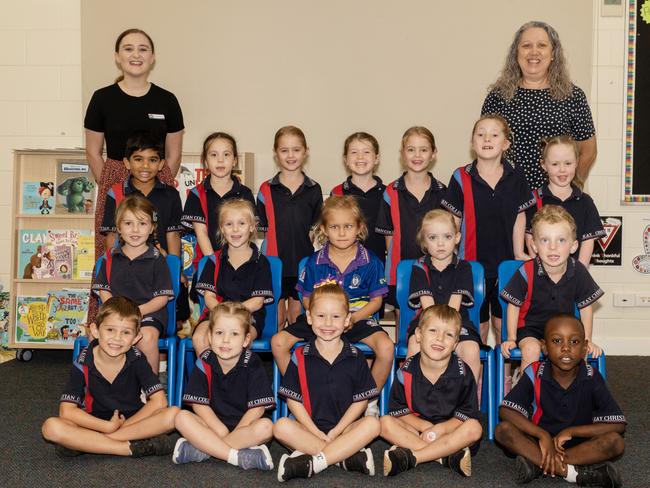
433	411
101	411
327	386
560	419
229	392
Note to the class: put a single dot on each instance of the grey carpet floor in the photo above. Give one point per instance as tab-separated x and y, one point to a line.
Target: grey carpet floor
29	394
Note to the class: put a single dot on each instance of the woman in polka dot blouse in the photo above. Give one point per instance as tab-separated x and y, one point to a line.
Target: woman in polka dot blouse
536	96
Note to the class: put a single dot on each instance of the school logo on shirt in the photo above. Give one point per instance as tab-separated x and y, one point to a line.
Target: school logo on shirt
356	281
157	116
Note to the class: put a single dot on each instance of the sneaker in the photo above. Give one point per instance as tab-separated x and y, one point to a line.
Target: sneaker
397	460
460	462
526	471
184	452
372	410
160	445
604	474
360	462
256	457
295	467
65	452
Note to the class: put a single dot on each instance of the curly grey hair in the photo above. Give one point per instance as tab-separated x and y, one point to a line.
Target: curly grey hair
558	73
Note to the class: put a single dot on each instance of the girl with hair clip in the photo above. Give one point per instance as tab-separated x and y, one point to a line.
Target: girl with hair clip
136	269
560	156
237	271
344	260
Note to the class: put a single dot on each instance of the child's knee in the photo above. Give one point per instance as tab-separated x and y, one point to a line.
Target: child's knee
182	419
170	417
474	430
611	444
384	347
264	428
387	424
282	342
371	426
52	429
149	339
281	427
504	433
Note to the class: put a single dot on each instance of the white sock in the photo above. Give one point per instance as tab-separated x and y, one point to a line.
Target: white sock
296	453
571	473
233	457
320	462
439	460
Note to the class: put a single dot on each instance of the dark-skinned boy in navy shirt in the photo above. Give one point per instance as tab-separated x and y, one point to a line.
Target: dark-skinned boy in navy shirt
101	410
229	393
327	386
433	410
560	419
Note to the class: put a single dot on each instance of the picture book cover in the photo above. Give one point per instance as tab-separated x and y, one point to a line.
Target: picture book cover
31	319
38	254
188	248
75	187
38	197
4	320
66	315
84	258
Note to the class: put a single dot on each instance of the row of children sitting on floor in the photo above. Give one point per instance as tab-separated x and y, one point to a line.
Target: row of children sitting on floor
559	420
489	198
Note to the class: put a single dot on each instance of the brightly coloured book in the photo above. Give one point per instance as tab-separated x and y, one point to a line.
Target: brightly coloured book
75	188
31	319
38	197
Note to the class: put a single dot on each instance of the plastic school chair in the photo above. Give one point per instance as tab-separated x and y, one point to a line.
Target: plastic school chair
170	341
506	270
404	268
186	353
364	348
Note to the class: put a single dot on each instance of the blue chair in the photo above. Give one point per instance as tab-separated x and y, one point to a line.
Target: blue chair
167	343
506	270
486	355
187	356
365	349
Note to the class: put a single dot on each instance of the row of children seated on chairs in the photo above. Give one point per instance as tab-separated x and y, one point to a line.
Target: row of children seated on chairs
342	231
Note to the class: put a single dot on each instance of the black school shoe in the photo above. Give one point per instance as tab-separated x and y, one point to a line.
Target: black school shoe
360	462
160	445
295	467
397	460
526	471
604	474
460	462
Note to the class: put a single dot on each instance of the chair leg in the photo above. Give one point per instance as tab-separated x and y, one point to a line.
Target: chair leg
276	386
491	403
180	372
171	371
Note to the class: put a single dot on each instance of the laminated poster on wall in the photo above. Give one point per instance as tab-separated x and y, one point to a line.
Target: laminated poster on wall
641	263
607	249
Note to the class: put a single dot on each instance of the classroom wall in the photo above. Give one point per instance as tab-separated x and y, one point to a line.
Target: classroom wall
42	97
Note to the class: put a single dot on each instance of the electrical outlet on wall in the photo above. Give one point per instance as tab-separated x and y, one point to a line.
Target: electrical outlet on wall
642	299
623	299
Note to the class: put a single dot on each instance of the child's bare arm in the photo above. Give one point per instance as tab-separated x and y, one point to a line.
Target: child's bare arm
174	243
512	316
446	427
367	311
210	418
416	422
210	299
154	305
519	237
202	238
254	304
155	402
251	415
455	300
110	240
522	423
71	412
353	412
587	318
303	418
586	249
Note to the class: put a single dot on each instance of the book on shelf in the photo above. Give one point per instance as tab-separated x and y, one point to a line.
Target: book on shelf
49	253
84	258
75	188
57	318
38	197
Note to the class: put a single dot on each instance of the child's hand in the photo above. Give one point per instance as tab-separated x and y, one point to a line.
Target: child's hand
548	454
559	440
333	434
430	434
594	349
505	348
115	422
323	436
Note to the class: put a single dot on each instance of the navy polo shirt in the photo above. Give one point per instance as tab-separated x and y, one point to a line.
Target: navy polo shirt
362	281
295	214
455	279
411	211
141	279
575	288
165	200
495	212
194	213
580	206
101	398
252	279
332	387
543	401
231	394
452	396
369	202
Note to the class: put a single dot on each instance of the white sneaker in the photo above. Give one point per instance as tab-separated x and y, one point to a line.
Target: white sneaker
372	410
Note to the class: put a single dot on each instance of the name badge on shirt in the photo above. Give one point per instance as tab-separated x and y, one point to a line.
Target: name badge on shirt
157	116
